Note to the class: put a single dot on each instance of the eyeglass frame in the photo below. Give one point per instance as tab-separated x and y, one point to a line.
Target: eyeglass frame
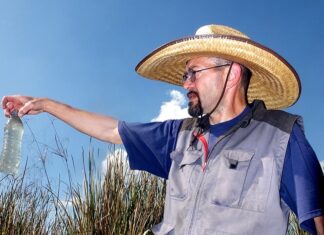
191	74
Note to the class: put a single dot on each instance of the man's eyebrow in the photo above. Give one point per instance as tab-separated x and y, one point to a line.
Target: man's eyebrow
192	67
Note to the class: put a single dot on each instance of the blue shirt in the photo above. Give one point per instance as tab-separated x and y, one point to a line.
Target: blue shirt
302	186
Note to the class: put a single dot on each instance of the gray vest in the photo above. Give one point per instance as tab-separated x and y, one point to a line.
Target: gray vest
238	192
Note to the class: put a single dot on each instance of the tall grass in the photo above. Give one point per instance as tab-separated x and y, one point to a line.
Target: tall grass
124	202
293	227
120	202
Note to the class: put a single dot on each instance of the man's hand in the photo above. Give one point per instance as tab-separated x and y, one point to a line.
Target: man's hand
23	104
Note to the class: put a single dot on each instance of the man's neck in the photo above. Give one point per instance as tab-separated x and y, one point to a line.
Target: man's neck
226	113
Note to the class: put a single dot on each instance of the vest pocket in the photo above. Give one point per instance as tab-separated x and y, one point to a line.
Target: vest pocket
180	175
230	177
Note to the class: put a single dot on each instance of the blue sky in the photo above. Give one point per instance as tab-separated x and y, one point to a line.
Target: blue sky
84	53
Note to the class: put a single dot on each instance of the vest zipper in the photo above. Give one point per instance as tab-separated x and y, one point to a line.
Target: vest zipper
193	214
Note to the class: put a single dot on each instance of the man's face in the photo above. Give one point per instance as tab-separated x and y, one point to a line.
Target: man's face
205	88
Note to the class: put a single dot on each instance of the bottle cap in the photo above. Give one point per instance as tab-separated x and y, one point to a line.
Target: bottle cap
14	113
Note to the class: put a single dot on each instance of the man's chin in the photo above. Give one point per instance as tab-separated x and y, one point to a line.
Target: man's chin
195	110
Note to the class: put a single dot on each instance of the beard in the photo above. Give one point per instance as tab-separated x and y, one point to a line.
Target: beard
195	110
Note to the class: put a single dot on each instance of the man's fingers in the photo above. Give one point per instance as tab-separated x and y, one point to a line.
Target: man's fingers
23	104
24	109
8	108
12	103
31	107
9	105
4	101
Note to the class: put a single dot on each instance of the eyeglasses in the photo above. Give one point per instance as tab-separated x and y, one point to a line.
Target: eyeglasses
191	74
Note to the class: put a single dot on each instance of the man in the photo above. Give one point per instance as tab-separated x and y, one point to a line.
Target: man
235	167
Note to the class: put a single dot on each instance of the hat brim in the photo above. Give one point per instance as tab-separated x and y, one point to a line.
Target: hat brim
273	79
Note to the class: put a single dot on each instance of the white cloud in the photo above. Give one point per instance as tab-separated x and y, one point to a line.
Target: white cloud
322	165
117	159
174	108
118	156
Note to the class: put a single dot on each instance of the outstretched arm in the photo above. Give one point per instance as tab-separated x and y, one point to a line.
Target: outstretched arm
102	127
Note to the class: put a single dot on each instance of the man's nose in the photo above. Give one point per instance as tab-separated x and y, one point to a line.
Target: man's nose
188	84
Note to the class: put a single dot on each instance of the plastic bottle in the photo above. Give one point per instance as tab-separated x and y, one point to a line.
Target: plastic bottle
12	141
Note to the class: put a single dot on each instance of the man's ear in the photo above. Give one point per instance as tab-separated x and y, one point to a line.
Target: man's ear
234	76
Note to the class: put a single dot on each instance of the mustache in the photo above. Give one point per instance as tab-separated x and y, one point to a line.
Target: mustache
190	93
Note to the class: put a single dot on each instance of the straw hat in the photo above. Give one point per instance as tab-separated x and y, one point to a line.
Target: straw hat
273	80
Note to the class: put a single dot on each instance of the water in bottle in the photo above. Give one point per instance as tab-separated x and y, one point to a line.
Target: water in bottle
11	150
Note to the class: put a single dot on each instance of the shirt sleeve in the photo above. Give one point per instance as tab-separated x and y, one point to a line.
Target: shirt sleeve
302	183
148	145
